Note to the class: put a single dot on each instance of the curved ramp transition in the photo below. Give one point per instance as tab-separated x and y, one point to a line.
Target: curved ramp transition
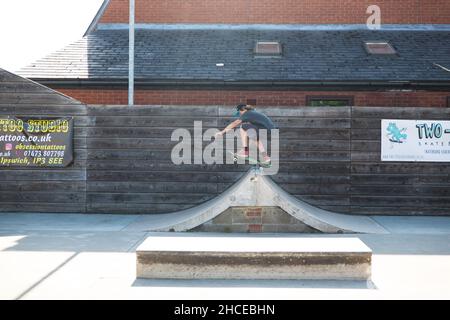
256	189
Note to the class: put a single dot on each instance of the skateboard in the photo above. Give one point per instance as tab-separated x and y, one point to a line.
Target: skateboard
251	160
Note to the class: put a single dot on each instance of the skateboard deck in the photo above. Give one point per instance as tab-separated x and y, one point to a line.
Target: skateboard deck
250	160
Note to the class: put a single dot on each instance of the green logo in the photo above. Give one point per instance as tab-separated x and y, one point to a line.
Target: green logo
395	134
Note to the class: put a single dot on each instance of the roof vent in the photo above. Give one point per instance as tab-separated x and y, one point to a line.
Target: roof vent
379	48
268	49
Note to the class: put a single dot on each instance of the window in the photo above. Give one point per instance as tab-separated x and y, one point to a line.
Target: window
318	101
379	48
268	49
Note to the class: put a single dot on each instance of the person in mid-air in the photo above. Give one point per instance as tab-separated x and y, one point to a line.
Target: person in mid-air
249	119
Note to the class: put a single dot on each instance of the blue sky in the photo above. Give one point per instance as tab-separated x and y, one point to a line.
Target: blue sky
31	29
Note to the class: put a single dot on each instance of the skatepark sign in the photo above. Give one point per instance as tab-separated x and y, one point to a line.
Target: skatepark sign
36	141
415	140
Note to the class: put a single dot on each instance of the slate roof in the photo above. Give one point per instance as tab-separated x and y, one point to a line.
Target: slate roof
18	91
177	55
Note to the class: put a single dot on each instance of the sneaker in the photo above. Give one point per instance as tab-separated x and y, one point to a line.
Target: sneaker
243	153
265	159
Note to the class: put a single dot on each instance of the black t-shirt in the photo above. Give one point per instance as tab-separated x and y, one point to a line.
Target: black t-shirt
259	120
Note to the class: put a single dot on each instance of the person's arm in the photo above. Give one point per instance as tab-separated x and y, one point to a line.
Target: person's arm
231	126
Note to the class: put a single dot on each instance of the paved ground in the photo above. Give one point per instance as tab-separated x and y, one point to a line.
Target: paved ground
61	256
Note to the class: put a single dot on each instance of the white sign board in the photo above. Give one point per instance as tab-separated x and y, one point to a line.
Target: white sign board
415	140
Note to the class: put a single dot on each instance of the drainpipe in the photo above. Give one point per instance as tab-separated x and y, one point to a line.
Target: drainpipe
131	56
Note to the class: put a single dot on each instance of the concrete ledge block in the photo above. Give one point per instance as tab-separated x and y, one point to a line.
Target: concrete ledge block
200	256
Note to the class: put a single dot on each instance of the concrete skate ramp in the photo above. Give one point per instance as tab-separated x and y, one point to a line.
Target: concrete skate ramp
201	256
256	189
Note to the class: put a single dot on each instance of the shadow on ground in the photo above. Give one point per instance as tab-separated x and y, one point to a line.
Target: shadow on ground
322	284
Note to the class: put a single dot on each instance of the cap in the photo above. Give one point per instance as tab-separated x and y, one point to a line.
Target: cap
239	107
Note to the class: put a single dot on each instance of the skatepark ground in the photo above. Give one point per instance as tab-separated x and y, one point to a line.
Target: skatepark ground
78	256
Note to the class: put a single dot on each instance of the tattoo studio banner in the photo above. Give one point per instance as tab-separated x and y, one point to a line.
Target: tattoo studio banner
36	142
415	140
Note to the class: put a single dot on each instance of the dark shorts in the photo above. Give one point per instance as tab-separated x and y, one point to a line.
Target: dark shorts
253	131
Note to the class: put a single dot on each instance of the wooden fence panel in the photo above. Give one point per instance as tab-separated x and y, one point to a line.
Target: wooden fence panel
329	157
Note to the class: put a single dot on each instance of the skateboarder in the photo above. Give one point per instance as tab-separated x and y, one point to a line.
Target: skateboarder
250	119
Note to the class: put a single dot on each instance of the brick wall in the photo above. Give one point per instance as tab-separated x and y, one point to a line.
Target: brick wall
279	11
264	98
255	220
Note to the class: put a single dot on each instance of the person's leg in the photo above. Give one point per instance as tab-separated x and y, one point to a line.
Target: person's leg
244	138
265	156
254	138
261	147
252	134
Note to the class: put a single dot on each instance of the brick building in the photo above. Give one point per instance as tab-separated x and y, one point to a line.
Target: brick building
297	53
